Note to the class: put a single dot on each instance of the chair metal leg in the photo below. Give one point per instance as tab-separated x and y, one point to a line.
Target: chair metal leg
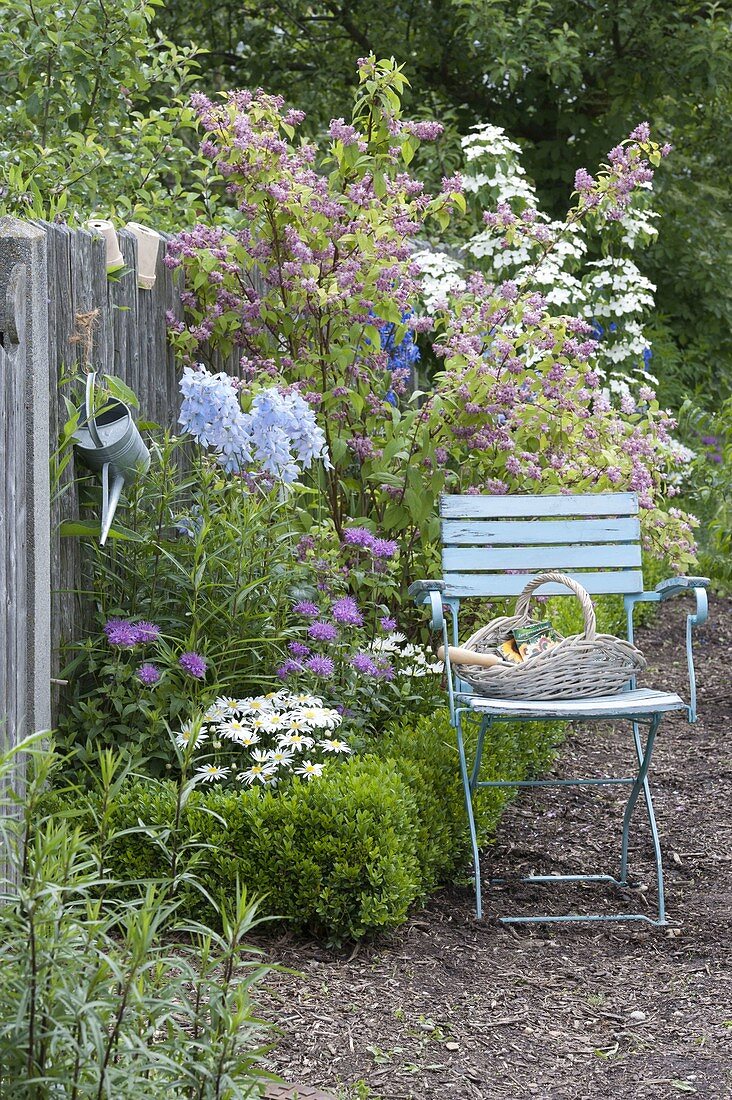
644	760
475	774
468	792
471	781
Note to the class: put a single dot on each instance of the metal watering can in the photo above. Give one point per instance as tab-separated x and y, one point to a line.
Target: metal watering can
110	442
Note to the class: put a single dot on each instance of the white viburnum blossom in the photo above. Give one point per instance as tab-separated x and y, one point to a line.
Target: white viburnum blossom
611	292
440	275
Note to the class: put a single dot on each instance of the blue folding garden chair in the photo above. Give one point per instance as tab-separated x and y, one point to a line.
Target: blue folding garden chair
491	546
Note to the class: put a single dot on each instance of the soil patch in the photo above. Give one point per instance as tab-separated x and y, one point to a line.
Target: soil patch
448	1008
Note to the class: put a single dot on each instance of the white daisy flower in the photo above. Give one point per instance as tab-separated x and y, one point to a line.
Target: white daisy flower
294	723
260	756
334	746
226	703
296	741
256	705
310	770
304	700
234	729
257	772
249	738
321	717
190	734
260	723
273	721
275	696
280	757
216	711
211	772
269	779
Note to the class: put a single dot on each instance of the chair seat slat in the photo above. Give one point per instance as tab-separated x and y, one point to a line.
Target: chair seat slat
487	559
464	506
637	702
538	532
462	585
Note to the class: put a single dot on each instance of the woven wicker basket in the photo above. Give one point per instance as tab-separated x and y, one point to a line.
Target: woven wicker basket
578	667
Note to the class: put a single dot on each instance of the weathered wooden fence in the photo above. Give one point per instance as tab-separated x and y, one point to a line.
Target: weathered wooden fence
25	636
61	314
110	325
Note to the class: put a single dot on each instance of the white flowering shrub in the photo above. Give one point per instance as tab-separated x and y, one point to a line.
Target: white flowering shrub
611	292
262	739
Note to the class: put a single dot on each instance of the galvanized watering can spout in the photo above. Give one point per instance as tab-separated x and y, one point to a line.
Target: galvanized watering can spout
110	443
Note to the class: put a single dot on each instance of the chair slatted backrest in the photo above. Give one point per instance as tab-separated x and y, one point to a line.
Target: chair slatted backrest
492	545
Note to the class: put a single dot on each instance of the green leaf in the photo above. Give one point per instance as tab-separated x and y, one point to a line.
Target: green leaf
121	390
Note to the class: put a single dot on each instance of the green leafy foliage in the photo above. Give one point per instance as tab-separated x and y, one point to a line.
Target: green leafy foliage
93	1000
341	856
709	489
93	114
204	559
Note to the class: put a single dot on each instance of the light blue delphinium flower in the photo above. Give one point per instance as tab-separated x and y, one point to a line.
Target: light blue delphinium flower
280	434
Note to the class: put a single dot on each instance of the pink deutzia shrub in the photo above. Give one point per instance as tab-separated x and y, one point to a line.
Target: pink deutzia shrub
318	258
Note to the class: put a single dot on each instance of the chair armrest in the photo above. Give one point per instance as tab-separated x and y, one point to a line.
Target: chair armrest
665	590
430	592
418	587
675	586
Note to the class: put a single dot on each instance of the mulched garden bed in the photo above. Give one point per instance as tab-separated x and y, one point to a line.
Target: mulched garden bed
447	1008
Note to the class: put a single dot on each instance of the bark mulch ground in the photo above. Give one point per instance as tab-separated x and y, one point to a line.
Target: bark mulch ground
447	1008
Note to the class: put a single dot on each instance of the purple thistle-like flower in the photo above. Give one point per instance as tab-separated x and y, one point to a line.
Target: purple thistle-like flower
193	664
323	632
384	548
287	668
148	674
363	663
358	536
345	611
307	608
320	666
387	623
147	632
297	649
122	634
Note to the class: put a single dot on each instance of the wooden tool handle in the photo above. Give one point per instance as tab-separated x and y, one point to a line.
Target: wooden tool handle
469	657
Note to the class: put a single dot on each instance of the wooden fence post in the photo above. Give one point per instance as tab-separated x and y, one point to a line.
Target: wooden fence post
25	576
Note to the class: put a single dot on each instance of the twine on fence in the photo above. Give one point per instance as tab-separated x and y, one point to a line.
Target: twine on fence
83	334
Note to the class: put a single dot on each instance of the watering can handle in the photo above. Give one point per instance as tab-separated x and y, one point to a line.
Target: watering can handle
90	417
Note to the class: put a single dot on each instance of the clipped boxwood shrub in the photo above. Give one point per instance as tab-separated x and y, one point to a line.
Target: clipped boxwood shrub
338	857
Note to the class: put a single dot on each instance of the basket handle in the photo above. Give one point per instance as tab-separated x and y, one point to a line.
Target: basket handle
588	610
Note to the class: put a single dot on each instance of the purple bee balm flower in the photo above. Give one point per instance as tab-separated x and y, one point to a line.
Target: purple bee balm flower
323	632
345	610
387	623
122	634
383	548
287	668
147	632
148	674
297	649
193	664
320	666
363	663
307	608
385	671
358	536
